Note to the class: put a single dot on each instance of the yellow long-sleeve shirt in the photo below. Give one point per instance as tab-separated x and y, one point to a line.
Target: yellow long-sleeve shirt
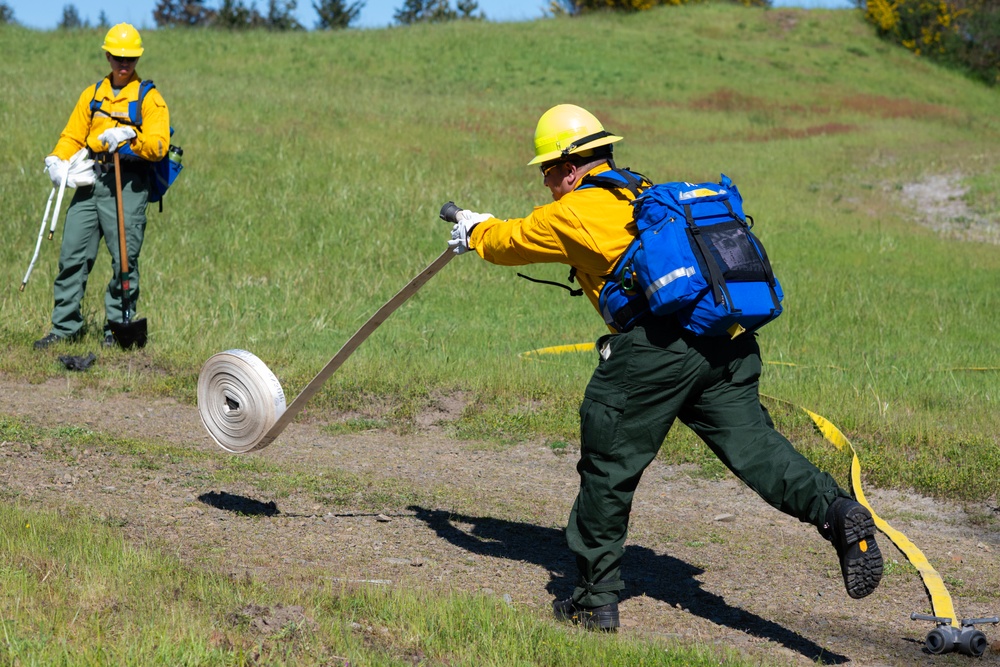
152	139
587	229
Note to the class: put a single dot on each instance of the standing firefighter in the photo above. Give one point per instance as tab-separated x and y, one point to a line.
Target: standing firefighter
111	115
650	374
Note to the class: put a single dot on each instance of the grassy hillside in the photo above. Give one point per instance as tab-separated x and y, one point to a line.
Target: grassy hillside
316	164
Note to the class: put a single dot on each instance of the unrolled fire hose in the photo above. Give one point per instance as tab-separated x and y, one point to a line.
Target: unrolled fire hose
52	228
241	402
950	633
79	172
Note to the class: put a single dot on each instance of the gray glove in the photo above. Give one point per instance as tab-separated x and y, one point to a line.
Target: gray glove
467	220
116	135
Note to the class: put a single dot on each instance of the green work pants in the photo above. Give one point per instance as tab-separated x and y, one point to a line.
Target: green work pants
93	214
645	379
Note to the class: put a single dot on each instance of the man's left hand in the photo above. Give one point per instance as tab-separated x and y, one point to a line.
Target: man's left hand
467	220
115	136
56	169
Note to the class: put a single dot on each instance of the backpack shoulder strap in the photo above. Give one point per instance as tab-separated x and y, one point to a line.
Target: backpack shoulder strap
616	178
135	108
95	106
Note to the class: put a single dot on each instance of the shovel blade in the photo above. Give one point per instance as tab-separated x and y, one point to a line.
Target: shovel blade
132	334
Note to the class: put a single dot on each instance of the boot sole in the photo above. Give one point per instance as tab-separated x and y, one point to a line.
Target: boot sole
862	562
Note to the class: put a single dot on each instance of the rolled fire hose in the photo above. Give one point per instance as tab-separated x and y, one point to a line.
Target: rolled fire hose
239	399
241	402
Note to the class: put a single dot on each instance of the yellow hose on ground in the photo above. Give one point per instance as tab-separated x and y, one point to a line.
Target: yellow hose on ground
940	599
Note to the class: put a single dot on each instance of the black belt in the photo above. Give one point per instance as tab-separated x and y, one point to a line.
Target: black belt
107	158
104	163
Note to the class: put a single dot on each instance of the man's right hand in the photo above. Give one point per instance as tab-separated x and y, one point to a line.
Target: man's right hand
57	170
466	221
113	137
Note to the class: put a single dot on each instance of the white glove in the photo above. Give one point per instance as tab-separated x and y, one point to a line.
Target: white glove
467	220
114	136
81	174
56	169
81	170
83	178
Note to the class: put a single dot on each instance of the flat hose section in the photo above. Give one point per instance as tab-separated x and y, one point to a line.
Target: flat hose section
239	400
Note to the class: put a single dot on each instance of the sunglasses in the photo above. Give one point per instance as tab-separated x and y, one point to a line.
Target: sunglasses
125	60
547	169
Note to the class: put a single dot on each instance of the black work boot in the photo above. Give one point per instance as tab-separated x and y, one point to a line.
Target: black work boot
48	339
849	525
603	618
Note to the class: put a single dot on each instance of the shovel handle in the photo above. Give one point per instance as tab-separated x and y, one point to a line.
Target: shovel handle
123	251
122	247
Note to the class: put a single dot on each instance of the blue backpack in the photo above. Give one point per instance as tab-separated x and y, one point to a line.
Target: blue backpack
694	257
165	171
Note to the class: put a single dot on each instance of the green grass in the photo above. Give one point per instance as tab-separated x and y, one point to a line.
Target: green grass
316	164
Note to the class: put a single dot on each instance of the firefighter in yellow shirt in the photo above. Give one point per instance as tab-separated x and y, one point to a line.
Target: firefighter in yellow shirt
652	373
108	117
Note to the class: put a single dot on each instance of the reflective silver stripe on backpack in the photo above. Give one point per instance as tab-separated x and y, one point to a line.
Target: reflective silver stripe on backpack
663	281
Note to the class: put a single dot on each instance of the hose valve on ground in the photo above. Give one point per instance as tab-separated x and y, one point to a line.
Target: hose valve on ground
946	638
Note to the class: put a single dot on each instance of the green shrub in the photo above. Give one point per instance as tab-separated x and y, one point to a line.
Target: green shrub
962	33
577	7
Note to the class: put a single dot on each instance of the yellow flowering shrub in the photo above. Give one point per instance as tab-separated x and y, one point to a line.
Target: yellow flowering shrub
964	33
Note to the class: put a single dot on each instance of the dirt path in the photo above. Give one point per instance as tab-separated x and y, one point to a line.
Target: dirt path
706	561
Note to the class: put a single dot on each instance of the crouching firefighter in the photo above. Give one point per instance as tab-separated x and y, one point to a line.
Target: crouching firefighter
123	114
652	370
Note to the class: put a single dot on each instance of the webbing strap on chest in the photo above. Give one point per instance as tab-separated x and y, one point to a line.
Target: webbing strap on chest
134	107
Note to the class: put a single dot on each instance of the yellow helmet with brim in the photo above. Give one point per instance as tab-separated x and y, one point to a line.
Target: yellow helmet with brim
123	41
567	129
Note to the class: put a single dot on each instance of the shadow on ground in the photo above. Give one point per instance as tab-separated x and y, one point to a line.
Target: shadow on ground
546	547
238	504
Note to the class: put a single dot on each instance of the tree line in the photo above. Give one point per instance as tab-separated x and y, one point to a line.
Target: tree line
279	15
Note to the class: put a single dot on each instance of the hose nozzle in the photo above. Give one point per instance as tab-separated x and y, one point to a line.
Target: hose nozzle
449	212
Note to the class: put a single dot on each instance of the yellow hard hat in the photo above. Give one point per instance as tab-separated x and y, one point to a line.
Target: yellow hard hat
124	41
567	129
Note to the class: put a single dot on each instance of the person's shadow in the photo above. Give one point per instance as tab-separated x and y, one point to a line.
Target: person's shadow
662	577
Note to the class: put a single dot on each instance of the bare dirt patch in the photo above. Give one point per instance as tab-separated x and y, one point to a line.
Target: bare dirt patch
707	561
895	107
938	202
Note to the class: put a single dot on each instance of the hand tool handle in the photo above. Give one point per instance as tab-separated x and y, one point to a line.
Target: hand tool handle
122	249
